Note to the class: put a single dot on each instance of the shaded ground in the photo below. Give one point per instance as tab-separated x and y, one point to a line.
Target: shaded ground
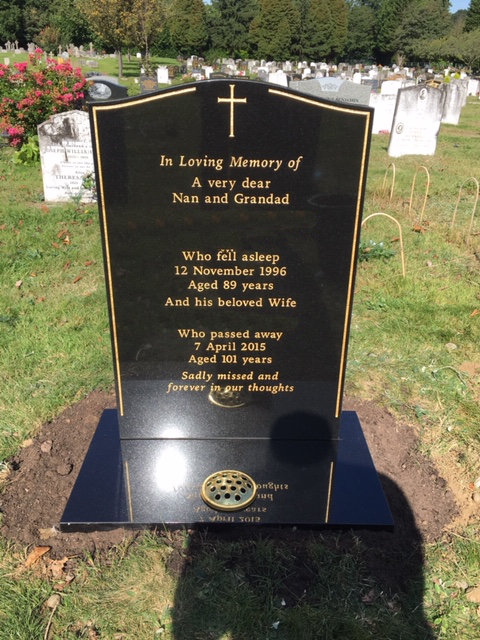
44	471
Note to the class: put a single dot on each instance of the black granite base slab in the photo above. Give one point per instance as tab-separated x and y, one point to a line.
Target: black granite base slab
161	482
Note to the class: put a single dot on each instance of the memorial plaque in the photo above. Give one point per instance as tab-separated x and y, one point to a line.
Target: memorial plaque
416	123
230	213
66	156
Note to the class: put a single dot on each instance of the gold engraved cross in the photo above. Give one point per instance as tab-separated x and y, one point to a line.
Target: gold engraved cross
232	100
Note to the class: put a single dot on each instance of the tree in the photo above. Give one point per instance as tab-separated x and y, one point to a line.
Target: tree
71	24
425	20
148	23
187	24
464	50
230	22
317	27
275	29
472	20
111	20
388	18
36	16
49	38
11	20
339	18
361	40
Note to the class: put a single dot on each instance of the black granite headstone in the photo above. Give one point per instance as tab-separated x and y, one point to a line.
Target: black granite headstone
230	214
100	88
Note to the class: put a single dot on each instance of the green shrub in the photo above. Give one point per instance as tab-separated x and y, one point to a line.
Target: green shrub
34	90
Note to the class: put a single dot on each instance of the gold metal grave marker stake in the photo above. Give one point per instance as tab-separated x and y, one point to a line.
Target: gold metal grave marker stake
402	251
392	187
477	193
427	189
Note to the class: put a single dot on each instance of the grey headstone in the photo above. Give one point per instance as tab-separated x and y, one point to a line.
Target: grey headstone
348	92
330	84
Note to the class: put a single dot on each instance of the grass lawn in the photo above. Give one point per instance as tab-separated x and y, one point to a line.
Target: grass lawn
414	349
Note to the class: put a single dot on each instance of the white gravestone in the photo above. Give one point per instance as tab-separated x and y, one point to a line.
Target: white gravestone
66	156
162	75
473	87
384	106
453	103
464	89
279	77
390	87
416	123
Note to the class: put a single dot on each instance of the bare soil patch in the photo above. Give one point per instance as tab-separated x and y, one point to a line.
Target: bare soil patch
43	473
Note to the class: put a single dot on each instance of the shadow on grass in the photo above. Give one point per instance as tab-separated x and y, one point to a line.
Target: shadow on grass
271	583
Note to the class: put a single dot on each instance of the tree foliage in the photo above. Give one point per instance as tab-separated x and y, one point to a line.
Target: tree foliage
339	19
71	24
418	31
111	20
188	27
149	18
361	40
425	20
229	25
275	29
472	19
36	16
317	29
11	20
388	18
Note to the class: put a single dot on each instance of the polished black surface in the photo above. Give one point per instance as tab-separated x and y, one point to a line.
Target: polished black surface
101	89
289	475
193	257
230	215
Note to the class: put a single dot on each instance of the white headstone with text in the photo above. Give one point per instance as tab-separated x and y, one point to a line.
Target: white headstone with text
66	157
416	123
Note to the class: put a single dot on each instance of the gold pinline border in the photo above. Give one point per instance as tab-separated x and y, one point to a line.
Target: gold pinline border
129	491
329	496
367	116
134	103
95	109
352	270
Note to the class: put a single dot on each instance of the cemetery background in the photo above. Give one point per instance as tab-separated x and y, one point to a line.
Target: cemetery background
413	369
413	372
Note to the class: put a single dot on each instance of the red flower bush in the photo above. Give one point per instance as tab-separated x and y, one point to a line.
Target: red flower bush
34	90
